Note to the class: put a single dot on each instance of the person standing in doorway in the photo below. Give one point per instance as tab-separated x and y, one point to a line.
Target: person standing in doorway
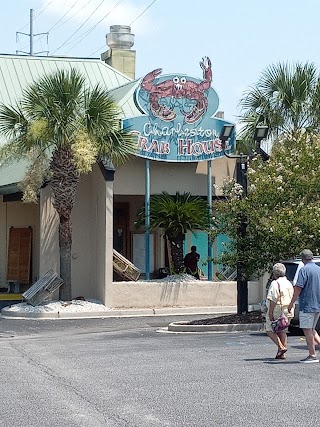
307	289
191	262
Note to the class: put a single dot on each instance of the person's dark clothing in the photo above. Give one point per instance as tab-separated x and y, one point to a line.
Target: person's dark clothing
191	264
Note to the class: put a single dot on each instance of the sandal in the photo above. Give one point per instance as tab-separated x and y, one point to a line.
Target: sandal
282	357
280	353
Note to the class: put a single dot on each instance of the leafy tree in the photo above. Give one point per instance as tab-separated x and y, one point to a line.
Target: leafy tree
285	98
62	127
176	215
282	208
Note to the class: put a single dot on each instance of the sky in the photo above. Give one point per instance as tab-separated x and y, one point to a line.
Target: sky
241	37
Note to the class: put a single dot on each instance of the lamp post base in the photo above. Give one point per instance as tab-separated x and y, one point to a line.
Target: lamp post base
242	293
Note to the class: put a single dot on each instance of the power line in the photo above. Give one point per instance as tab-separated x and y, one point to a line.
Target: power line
83	36
36	22
70	8
96	50
48	4
31	35
79	27
143	12
56	25
91	54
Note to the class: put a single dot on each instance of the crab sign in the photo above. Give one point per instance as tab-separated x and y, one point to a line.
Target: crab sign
166	95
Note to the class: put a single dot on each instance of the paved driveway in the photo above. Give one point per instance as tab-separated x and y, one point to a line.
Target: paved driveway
125	373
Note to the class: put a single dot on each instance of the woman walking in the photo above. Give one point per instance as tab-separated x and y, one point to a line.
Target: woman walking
279	296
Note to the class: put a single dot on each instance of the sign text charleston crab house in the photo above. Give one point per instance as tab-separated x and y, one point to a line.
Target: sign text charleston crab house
177	122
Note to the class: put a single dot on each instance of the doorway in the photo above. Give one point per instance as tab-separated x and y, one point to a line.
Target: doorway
121	228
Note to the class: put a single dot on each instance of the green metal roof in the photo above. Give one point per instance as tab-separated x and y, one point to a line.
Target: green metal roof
17	72
123	96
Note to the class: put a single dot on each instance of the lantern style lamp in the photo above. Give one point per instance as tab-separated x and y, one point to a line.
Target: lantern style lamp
225	134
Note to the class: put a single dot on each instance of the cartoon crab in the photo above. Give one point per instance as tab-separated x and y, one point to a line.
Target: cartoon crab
176	89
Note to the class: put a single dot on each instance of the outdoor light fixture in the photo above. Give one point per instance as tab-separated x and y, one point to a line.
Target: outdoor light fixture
260	133
225	134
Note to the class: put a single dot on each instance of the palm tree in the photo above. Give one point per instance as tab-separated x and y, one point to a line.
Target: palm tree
176	215
285	98
62	127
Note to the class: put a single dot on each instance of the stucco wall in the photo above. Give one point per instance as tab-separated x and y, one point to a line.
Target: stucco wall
171	177
102	237
3	242
49	226
184	294
83	246
92	219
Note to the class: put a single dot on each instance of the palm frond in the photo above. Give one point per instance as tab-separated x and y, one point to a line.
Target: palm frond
118	145
176	214
285	99
13	122
101	112
58	99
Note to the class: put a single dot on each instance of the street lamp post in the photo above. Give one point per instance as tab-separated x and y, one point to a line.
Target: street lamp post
241	174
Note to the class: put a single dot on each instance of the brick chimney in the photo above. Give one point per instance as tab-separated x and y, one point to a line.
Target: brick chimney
119	55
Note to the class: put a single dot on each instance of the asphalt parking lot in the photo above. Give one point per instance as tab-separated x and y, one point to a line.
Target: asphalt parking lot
129	372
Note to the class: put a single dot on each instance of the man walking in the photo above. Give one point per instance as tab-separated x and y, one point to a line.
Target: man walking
307	289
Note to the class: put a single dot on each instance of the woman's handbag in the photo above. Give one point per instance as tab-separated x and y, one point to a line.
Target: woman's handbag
282	322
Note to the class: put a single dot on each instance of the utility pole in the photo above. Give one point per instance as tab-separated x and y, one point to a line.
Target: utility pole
31	36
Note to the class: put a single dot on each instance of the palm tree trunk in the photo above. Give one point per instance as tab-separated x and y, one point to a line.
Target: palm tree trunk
64	182
65	243
177	254
168	246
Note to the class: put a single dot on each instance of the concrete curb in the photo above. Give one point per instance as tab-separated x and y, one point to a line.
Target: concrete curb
143	312
236	327
148	312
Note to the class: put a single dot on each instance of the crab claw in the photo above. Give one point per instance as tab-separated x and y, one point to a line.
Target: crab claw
163	113
155	73
205	63
196	112
152	75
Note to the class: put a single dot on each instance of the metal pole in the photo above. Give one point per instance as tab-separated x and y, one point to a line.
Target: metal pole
242	166
147	215
209	195
31	31
242	282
